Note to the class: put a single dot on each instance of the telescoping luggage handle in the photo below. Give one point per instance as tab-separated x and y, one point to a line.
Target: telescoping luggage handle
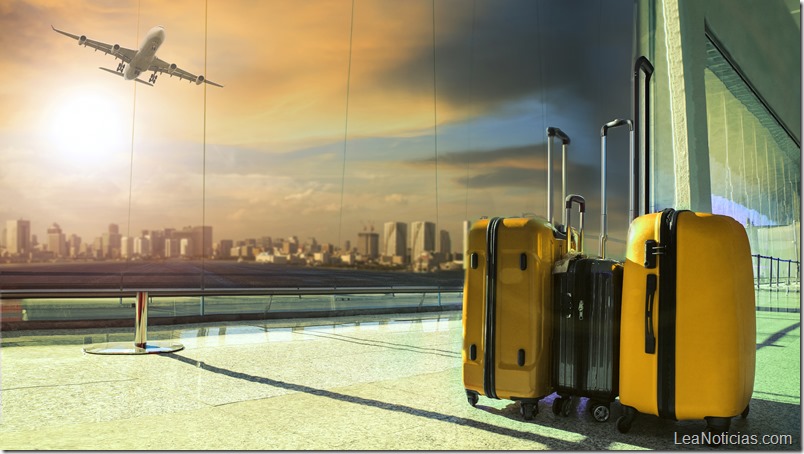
565	140
581	209
603	209
642	65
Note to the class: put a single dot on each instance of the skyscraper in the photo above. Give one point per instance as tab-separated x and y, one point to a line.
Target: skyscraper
422	238
395	239
445	244
18	237
368	244
56	241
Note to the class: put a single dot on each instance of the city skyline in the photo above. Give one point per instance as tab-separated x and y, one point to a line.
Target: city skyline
329	117
414	244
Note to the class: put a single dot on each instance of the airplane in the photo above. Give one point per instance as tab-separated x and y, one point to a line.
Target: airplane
141	60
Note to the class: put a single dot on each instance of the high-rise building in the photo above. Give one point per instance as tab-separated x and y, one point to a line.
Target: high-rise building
395	239
126	247
56	241
291	246
157	238
368	244
142	246
225	248
18	237
97	248
111	242
201	241
74	246
171	247
445	244
186	247
422	238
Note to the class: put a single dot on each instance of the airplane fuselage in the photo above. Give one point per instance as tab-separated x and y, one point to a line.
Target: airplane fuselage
146	53
135	62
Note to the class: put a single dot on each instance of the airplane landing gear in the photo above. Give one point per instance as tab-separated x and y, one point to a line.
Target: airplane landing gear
121	67
152	79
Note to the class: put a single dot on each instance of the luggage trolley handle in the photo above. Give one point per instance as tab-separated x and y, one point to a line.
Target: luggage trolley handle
565	141
603	146
581	209
641	65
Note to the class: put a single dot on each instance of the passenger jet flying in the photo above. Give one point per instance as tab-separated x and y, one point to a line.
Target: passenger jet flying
141	60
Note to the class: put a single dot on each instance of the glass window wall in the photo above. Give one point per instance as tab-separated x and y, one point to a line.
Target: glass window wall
347	147
755	164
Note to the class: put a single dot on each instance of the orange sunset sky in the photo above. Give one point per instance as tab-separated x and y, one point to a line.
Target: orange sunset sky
441	131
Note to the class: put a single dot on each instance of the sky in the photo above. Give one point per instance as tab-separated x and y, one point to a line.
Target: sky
335	115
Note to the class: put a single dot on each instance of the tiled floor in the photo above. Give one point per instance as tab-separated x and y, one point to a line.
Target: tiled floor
379	383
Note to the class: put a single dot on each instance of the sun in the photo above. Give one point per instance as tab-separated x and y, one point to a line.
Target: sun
88	127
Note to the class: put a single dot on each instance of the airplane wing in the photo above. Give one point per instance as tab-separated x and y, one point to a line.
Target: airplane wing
115	50
171	69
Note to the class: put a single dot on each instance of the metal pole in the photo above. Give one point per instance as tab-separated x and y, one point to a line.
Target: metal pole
141	345
141	320
758	270
603	212
770	280
778	271
789	262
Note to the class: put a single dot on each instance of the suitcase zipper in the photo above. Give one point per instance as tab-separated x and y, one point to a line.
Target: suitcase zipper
666	382
489	364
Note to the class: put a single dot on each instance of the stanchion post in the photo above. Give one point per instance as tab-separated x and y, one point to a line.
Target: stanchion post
141	345
141	320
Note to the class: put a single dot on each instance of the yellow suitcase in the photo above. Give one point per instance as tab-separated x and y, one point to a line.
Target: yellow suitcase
507	303
688	327
507	310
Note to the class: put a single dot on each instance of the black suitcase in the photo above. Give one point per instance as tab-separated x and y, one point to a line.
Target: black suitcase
587	296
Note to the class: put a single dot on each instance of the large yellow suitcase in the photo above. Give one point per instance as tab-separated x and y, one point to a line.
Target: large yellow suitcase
688	327
507	310
507	301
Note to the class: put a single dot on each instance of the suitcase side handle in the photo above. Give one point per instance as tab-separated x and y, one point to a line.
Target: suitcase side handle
581	209
641	65
565	141
650	294
616	123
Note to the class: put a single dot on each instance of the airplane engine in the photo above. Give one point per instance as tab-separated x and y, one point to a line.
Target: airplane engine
172	68
199	80
115	48
82	40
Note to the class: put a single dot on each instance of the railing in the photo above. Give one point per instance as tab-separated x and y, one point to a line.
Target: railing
769	273
32	309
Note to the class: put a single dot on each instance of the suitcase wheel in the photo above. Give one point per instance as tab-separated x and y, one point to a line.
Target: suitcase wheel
624	422
472	397
528	410
599	411
562	406
716	426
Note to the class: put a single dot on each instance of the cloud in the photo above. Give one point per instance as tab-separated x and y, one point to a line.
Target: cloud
396	198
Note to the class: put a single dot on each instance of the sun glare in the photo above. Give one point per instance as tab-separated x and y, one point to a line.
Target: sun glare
87	127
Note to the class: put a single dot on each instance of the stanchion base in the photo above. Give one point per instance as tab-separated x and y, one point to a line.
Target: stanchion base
128	348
